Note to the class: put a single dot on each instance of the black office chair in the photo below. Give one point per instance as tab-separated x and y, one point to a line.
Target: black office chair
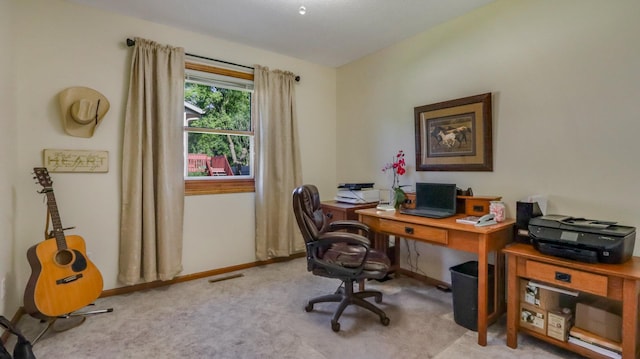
334	253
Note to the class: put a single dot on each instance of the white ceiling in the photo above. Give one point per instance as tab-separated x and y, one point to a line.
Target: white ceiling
331	33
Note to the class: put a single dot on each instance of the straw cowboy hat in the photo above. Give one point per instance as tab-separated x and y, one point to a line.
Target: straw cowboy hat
82	110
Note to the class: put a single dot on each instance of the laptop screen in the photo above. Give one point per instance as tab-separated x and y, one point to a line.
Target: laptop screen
436	196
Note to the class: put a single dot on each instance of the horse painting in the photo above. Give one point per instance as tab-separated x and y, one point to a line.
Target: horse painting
449	137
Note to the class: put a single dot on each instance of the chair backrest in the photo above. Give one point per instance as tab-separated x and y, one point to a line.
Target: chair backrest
308	212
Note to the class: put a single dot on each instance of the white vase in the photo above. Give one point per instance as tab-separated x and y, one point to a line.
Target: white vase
388	196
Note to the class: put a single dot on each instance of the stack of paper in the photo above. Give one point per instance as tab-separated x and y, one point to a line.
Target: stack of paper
595	342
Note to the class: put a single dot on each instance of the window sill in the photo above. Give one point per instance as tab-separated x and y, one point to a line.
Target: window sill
202	187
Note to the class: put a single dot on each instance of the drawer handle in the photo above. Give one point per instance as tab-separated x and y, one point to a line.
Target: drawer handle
563	277
408	230
329	215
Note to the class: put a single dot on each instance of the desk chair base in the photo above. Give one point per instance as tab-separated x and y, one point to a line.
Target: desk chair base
346	296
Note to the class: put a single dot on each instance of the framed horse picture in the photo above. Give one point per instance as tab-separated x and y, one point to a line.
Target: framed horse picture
454	135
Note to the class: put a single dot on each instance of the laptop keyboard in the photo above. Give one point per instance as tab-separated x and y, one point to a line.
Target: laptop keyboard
431	213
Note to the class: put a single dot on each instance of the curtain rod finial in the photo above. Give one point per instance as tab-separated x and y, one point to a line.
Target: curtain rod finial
130	42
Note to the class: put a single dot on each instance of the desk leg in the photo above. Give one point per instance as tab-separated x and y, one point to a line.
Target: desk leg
396	256
630	291
498	285
483	275
513	291
381	243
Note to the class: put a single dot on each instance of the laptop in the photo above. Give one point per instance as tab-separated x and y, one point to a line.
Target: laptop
434	200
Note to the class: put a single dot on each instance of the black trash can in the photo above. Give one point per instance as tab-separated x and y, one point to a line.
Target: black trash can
464	288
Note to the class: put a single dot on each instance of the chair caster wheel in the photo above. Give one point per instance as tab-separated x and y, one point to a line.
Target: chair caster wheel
335	326
308	307
385	321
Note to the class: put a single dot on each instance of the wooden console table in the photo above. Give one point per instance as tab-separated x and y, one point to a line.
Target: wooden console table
465	237
614	281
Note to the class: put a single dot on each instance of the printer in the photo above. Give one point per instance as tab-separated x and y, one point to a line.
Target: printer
580	239
368	195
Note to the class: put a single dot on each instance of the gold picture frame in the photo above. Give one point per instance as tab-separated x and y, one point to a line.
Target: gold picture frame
454	135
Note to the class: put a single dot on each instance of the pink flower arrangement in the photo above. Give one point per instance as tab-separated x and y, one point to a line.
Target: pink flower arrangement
398	167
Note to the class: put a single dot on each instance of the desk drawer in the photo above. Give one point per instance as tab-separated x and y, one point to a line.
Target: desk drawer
563	276
416	231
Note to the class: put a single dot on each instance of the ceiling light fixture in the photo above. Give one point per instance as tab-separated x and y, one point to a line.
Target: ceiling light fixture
302	10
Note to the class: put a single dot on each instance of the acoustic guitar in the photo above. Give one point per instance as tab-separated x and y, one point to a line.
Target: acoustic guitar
63	279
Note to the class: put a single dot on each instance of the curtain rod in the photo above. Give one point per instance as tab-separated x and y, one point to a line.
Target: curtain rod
131	42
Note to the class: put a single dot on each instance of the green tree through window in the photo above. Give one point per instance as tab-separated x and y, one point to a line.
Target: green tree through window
218	130
228	114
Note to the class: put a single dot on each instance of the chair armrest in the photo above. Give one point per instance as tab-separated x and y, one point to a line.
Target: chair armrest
343	237
349	224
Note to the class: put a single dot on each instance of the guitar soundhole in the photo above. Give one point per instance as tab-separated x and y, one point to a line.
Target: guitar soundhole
64	257
71	257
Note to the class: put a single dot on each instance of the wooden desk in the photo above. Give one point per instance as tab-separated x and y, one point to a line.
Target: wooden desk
446	232
614	281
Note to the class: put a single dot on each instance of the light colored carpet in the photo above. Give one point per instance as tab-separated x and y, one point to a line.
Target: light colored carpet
261	315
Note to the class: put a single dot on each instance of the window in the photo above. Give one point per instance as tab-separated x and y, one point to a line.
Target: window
218	130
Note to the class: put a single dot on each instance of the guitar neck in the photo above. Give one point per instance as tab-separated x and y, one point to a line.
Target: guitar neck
55	219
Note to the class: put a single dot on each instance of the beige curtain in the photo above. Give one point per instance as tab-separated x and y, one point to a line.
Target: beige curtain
278	169
152	166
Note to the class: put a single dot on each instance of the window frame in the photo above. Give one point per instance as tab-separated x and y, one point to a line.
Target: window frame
199	186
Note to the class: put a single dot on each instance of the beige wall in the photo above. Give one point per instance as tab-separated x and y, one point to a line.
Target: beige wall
7	153
565	83
58	45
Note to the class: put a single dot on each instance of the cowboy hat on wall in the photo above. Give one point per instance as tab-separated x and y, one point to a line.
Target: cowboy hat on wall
83	109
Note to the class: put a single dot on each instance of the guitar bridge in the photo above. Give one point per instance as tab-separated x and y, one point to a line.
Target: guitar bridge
69	279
